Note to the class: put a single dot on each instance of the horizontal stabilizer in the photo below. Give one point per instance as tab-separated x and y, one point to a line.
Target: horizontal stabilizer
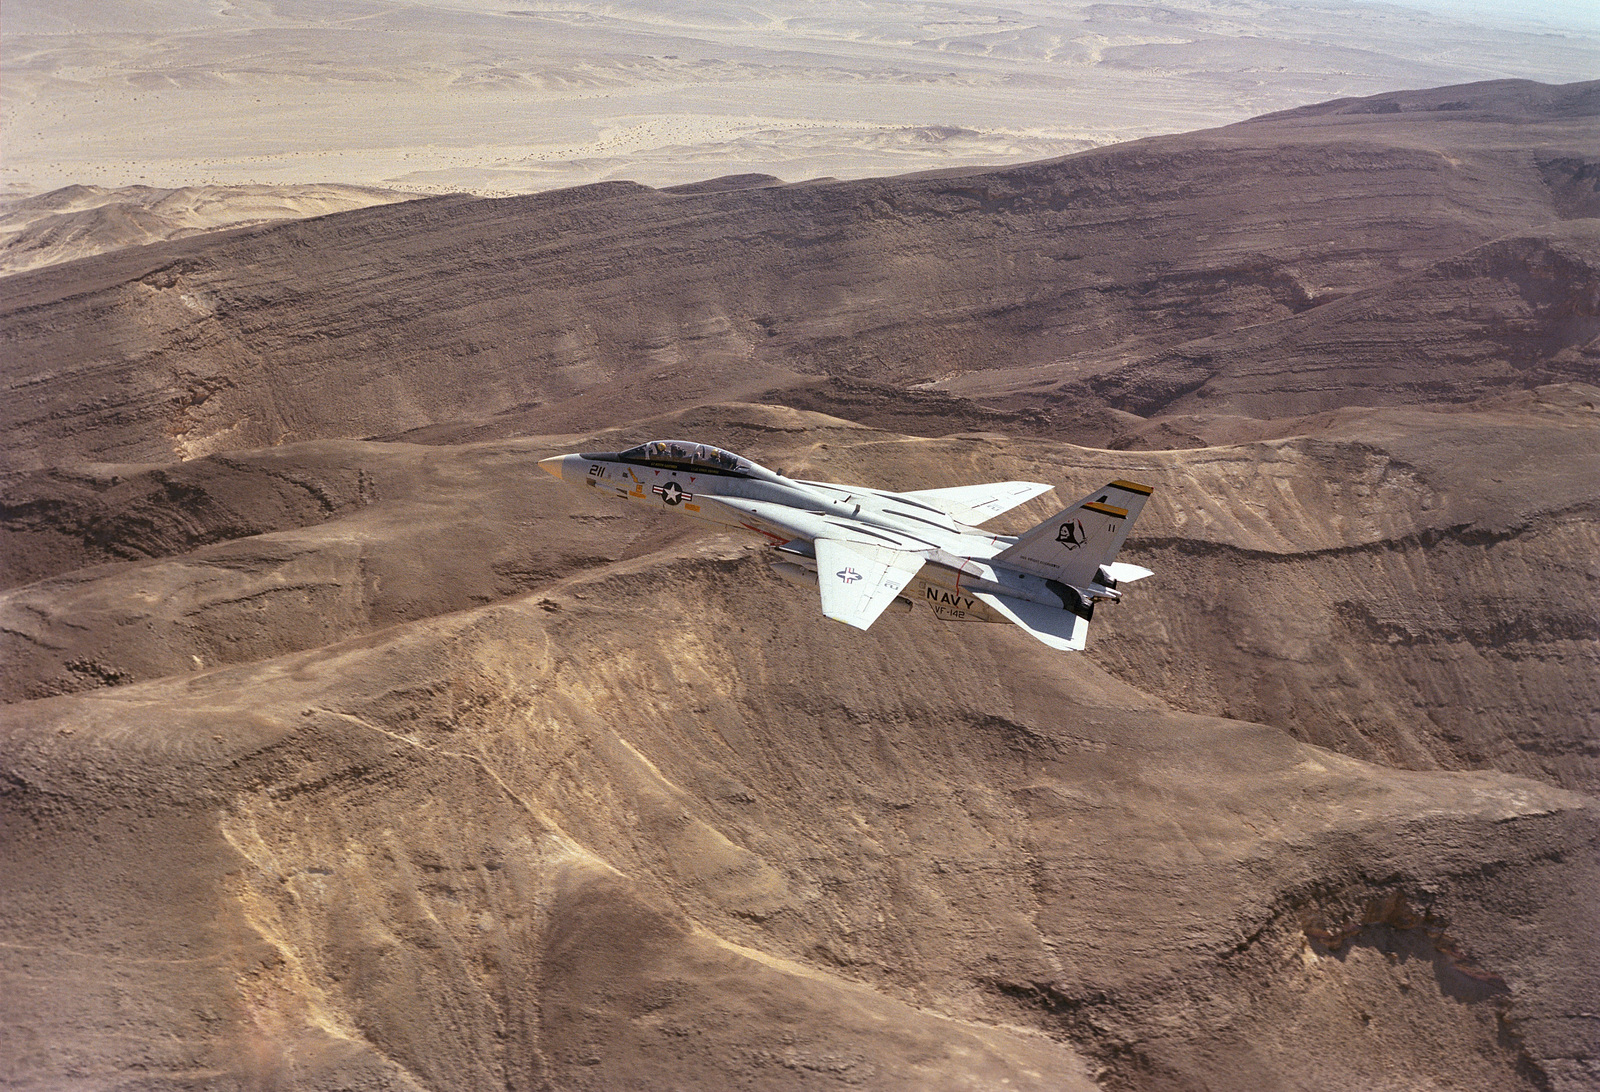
1058	628
1124	573
975	504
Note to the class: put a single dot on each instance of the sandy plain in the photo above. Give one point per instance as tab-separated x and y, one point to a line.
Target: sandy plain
489	97
127	125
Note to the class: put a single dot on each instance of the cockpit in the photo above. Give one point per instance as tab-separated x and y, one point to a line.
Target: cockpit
687	455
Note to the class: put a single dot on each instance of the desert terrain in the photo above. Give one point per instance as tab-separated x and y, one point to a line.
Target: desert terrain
436	96
80	221
126	125
344	749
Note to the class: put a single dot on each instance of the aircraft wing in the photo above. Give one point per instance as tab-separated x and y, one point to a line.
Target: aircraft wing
975	504
859	581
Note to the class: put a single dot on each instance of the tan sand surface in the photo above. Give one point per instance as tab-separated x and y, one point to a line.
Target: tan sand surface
493	98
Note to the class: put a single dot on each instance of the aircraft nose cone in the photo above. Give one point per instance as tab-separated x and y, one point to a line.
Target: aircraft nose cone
554	465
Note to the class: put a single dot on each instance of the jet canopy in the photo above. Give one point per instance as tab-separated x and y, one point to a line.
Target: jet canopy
686	454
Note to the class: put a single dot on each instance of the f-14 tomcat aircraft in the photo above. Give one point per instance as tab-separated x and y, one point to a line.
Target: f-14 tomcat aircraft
867	549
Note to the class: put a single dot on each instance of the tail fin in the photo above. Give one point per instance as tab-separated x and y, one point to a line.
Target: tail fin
1074	544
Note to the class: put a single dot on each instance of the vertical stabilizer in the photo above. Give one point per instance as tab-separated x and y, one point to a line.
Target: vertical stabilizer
1072	545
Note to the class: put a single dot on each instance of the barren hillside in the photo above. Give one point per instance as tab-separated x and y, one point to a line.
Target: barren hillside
80	221
580	308
342	748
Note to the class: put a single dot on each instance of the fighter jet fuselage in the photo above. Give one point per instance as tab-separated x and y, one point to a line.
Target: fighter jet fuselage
868	549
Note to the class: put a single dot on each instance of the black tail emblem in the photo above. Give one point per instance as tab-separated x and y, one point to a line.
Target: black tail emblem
1071	534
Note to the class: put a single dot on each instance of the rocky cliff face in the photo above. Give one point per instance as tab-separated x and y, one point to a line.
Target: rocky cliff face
592	307
341	761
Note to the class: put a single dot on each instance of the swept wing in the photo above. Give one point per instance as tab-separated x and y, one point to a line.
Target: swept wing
976	504
858	581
